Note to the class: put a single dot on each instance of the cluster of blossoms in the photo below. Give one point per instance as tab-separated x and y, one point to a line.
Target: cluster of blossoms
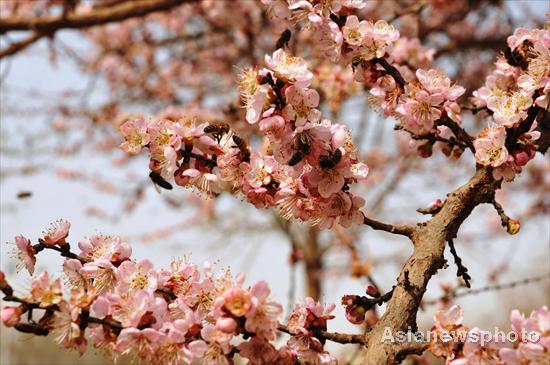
305	168
527	344
519	85
163	316
417	101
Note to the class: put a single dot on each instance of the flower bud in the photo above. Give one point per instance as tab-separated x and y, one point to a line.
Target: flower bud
11	316
4	286
424	150
521	158
226	324
513	226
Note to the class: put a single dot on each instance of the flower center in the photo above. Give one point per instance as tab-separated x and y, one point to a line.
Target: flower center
139	281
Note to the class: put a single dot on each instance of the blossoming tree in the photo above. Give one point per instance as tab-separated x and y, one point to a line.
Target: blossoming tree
278	148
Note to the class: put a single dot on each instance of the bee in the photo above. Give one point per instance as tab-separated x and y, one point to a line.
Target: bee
24	194
283	39
302	145
159	181
217	130
296	158
243	147
520	56
330	160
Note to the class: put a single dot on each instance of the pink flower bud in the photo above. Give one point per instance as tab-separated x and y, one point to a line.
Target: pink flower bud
226	324
11	316
521	158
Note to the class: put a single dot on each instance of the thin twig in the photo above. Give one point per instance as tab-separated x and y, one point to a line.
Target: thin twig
343	338
462	270
401	230
19	46
485	289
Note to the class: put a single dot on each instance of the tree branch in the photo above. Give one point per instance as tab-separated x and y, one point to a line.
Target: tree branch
458	131
343	338
98	16
19	46
428	256
391	70
401	230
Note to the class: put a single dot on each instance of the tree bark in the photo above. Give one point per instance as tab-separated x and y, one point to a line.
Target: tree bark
429	241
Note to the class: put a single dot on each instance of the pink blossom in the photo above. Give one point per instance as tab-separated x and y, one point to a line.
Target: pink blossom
506	171
474	353
437	83
135	133
111	248
263	315
258	351
25	253
164	133
71	268
164	161
301	105
203	181
355	31
102	273
490	149
58	231
289	68
237	301
308	315
303	9
65	328
273	126
44	292
181	276
11	315
520	35
329	38
382	31
260	171
508	110
218	346
145	341
310	350
449	319
421	112
384	95
129	309
133	276
354	214
256	103
101	307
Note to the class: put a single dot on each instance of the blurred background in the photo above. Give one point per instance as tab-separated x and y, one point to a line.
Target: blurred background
63	98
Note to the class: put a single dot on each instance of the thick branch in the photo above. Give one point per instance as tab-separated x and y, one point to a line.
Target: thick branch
428	256
98	16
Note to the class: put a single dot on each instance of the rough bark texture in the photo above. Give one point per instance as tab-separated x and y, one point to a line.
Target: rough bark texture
428	256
